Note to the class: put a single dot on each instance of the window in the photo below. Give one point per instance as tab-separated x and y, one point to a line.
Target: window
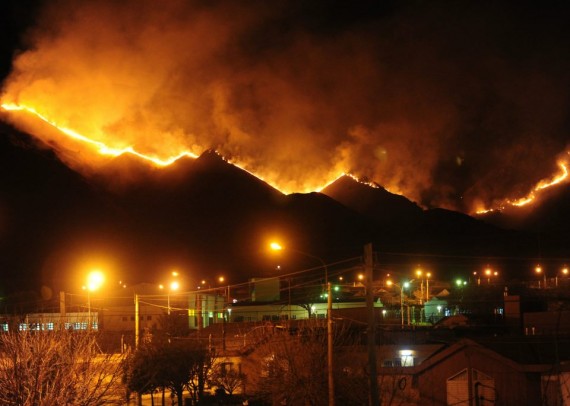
406	358
225	367
4	327
125	318
49	326
149	317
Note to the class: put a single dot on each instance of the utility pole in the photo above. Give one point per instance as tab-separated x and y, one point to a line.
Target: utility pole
136	320
368	267
330	345
62	315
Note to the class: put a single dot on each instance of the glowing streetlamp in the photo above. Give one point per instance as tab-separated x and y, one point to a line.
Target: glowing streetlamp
564	272
419	275
95	280
401	287
275	246
539	271
428	275
172	286
488	273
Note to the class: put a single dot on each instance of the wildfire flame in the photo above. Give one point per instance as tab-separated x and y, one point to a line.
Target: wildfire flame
158	161
533	194
100	147
105	149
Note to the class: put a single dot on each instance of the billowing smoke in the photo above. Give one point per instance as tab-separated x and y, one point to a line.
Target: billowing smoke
448	104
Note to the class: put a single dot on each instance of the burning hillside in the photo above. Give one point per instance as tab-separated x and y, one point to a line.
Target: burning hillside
449	115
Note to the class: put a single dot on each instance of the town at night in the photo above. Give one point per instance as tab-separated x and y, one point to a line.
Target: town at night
284	203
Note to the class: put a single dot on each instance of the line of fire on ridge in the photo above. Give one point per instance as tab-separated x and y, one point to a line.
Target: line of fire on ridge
533	194
106	150
160	162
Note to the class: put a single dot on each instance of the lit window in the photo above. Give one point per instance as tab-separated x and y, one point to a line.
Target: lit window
406	358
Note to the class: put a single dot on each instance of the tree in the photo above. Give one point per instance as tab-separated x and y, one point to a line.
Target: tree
57	368
229	381
200	370
174	365
286	361
140	372
290	367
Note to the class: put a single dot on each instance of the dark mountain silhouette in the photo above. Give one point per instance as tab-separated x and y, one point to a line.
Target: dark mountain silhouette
207	217
548	217
395	214
455	242
204	216
42	202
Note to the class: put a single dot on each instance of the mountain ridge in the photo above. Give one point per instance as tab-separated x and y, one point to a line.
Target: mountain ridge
208	216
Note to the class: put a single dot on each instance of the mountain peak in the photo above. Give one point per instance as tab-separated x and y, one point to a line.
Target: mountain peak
371	199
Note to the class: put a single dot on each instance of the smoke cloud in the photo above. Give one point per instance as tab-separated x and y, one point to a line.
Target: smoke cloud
448	104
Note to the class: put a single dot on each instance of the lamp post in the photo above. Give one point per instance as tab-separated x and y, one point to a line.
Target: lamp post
275	246
539	271
95	279
419	275
428	275
488	274
174	285
401	287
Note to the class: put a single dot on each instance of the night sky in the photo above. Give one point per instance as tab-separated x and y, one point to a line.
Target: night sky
459	105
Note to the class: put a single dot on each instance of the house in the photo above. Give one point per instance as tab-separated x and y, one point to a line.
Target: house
511	372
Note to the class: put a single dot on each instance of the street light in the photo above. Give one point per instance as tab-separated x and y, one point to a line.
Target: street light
401	287
428	275
564	271
275	246
488	273
419	274
173	286
95	279
539	271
